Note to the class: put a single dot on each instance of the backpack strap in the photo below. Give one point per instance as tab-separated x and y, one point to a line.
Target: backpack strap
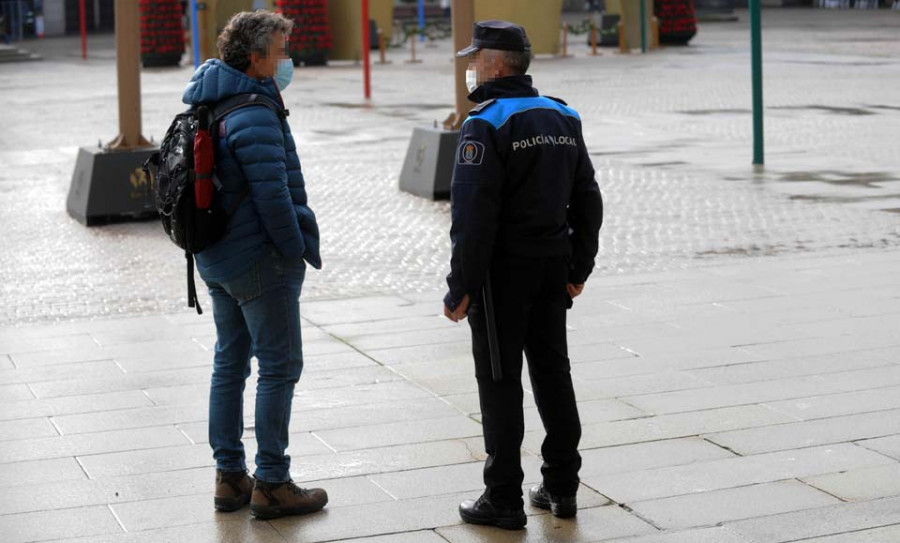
193	301
239	101
220	110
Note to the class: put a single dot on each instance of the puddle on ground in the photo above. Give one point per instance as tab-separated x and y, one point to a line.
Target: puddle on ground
855	111
834	62
718	112
833	177
662	164
363	105
752	250
836	110
333	132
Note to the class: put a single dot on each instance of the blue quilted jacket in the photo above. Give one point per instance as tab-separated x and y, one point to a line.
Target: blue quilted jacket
255	147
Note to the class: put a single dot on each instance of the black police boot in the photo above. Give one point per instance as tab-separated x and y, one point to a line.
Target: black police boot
483	512
560	506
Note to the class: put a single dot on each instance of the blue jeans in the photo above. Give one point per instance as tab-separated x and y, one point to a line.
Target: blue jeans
258	313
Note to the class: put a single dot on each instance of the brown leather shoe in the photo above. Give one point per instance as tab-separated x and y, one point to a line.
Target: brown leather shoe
233	490
273	500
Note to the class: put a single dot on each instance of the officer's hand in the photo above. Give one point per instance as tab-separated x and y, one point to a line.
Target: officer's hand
461	309
575	290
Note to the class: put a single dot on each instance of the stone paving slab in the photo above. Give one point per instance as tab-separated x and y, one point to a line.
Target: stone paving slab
26	429
861	484
138	516
809	524
594	524
711	475
47	496
400	433
372	520
672	426
836	405
712	508
673	441
36	472
221	531
654	454
811	433
886	534
718	534
751	372
82	521
768	391
888	446
93	443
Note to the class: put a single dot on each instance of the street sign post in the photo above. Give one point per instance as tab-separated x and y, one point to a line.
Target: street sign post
756	60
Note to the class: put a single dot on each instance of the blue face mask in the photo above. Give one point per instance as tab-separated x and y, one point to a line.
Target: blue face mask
284	74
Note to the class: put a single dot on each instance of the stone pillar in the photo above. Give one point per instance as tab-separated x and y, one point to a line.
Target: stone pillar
631	15
128	66
463	22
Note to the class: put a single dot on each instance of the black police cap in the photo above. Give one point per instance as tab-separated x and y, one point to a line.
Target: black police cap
501	35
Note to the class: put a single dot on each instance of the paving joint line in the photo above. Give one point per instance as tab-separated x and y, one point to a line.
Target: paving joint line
634	513
725	447
55	427
369	478
315	435
861	446
116	516
186	436
822	490
83	469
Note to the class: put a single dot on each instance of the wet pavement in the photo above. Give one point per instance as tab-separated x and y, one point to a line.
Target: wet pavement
735	354
752	402
670	134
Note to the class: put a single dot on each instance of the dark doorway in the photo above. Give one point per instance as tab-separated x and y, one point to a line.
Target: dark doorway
99	14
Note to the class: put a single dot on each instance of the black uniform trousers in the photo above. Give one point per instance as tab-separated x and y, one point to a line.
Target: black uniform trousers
530	303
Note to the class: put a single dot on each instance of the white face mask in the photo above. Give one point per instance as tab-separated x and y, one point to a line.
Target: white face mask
471	80
284	73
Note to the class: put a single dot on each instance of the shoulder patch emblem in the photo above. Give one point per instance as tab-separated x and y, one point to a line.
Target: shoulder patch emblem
470	153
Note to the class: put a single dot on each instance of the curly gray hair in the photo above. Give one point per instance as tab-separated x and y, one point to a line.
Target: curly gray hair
250	32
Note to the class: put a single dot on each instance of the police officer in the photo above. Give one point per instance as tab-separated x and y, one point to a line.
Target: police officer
526	215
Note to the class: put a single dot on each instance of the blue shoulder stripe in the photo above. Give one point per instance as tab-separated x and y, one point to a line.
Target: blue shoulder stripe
503	109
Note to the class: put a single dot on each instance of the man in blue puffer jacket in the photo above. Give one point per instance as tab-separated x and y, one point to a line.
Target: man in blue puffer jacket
255	272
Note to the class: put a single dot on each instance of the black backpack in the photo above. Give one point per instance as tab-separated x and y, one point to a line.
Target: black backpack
185	183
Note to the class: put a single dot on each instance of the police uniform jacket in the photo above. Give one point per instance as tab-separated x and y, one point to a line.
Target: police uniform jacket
523	184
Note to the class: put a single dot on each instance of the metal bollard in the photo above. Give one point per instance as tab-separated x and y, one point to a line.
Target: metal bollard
654	43
412	46
381	47
565	41
593	40
623	43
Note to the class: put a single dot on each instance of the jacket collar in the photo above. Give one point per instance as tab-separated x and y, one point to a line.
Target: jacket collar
514	86
215	81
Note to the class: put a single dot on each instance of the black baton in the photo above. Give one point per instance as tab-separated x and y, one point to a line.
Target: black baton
493	342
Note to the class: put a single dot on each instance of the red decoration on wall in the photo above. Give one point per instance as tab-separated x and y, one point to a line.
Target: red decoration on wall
311	38
677	20
162	34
